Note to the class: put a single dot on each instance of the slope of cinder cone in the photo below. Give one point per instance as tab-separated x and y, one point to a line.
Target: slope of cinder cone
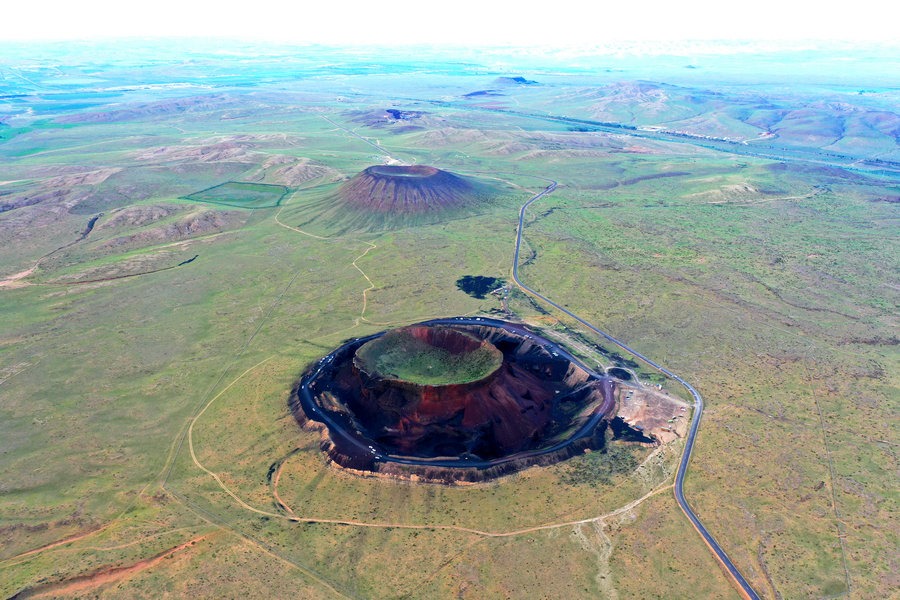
406	190
389	197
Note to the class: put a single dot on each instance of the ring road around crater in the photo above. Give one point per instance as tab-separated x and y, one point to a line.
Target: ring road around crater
538	406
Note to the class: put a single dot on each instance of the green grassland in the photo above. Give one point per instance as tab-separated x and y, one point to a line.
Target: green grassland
242	194
148	410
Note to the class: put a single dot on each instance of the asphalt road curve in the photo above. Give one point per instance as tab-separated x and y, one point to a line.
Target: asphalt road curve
745	587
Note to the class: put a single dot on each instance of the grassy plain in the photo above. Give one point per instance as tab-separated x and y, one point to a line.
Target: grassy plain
241	194
142	413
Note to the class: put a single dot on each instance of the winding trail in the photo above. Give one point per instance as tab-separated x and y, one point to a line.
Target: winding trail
15	280
745	588
838	519
56	544
365	293
190	436
296	229
291	516
82	583
678	487
369	248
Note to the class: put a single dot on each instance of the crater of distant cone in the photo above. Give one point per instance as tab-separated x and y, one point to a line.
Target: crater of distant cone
401	171
406	190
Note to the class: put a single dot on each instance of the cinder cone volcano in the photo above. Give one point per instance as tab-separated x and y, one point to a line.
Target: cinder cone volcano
453	400
407	190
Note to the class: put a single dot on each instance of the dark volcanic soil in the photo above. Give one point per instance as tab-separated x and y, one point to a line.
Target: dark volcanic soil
406	190
538	407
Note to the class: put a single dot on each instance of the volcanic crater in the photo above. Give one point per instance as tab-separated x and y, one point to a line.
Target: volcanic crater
453	400
412	189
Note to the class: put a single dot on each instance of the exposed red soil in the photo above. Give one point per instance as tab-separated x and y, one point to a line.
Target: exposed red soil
99	577
13	281
455	342
406	190
656	413
512	404
500	414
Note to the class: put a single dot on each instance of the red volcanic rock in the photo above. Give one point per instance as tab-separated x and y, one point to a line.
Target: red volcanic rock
455	342
492	417
483	420
508	409
406	190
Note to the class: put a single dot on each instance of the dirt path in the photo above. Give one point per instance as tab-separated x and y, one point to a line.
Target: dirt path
256	544
376	144
62	542
595	541
365	294
276	476
829	460
291	516
100	577
13	281
190	438
135	542
488	534
370	247
296	229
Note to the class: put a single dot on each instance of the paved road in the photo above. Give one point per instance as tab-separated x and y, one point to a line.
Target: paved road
695	422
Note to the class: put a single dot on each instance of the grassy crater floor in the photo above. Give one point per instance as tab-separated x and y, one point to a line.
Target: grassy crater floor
444	358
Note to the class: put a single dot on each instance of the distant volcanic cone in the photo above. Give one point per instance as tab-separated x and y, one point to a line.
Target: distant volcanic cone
407	190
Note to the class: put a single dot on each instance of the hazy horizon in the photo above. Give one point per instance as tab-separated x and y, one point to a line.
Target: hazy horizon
465	23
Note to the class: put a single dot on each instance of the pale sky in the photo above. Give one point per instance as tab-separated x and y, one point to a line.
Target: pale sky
459	22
